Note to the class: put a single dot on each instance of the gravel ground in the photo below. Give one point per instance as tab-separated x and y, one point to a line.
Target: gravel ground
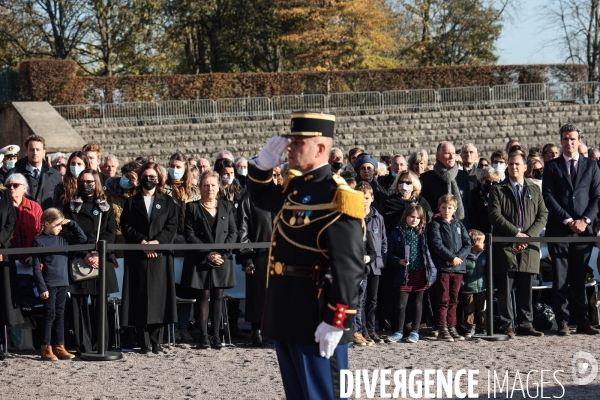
241	371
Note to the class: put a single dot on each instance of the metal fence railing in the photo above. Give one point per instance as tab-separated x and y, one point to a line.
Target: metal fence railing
355	103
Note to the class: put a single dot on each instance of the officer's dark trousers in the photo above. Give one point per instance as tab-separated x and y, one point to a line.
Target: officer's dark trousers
521	282
569	262
307	375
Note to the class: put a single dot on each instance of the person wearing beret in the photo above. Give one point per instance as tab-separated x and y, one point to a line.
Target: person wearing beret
315	260
366	168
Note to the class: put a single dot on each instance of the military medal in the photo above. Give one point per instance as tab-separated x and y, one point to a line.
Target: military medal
300	220
306	219
293	219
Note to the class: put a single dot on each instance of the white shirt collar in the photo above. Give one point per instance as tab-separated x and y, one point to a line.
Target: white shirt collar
568	159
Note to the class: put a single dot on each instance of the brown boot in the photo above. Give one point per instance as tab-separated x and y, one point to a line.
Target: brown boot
563	329
587	328
62	353
47	354
531	331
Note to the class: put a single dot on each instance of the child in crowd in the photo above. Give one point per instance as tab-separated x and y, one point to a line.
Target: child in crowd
450	244
359	324
51	276
414	269
474	284
375	232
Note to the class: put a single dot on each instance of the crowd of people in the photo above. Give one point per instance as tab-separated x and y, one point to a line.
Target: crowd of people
426	218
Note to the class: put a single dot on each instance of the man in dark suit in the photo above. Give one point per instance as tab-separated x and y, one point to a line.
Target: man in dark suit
571	190
41	177
516	209
447	178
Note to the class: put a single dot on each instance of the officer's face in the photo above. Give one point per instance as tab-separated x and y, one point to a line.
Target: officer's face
303	152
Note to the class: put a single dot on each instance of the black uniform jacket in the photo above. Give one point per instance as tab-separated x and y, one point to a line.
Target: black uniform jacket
322	247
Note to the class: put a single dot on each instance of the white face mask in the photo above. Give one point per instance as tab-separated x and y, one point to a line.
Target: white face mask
76	170
11	164
499	167
227	180
405	188
242	172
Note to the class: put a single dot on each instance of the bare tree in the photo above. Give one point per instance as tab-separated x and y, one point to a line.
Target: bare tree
578	25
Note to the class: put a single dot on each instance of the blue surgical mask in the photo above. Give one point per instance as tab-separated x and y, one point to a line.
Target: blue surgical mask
75	170
394	174
125	183
11	164
499	167
176	174
242	172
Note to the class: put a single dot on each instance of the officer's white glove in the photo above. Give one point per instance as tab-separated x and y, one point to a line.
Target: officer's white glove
270	155
328	338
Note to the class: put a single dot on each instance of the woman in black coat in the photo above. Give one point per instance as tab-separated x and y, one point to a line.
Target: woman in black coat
209	220
149	217
10	313
255	225
89	208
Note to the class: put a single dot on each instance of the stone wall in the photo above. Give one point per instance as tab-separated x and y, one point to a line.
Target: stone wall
489	130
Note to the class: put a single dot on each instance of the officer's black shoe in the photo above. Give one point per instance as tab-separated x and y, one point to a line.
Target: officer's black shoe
145	350
157	349
204	341
215	342
257	340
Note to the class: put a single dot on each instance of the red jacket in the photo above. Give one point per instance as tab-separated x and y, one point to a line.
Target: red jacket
29	217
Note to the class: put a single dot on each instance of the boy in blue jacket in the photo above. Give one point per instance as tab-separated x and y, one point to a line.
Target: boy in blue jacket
474	284
449	244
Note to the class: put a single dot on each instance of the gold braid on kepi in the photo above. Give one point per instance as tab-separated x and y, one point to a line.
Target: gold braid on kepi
350	202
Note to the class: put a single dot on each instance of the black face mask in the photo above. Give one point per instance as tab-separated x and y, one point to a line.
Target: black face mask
337	165
537	175
147	183
486	188
86	190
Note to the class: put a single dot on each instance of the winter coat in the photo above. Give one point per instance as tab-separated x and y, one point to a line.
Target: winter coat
434	188
10	313
29	218
88	221
197	272
504	216
149	283
474	280
448	240
376	229
254	226
394	206
117	196
41	190
397	252
478	212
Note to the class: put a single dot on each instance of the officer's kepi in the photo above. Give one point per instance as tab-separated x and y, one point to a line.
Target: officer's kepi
311	124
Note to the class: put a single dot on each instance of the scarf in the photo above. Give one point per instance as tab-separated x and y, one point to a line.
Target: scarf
449	178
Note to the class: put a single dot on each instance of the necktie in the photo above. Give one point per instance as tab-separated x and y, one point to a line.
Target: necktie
573	172
520	205
36	173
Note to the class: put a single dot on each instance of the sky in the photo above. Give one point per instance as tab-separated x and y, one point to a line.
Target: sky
525	41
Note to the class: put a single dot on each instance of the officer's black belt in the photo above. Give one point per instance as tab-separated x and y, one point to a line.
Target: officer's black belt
292	270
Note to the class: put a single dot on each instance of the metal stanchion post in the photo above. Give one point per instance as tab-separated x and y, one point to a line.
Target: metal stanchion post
489	310
102	354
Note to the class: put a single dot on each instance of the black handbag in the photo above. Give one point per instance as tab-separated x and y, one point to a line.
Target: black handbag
78	269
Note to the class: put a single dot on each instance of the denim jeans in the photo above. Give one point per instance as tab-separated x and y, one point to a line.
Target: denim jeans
54	313
359	319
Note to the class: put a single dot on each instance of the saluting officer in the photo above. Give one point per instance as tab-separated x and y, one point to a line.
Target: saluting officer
316	257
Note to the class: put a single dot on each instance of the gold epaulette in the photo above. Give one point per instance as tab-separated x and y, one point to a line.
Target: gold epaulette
292	173
348	201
